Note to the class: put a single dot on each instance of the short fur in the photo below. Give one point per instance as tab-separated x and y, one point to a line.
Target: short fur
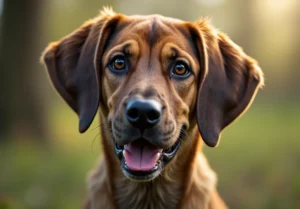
225	83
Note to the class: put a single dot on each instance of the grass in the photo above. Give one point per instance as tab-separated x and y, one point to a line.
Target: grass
257	162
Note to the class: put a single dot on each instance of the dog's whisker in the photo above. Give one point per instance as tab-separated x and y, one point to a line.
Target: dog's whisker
185	134
93	142
102	124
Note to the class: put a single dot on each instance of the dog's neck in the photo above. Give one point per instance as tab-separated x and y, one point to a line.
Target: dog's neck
108	184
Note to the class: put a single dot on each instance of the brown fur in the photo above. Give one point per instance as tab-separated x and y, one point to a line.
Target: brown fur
223	86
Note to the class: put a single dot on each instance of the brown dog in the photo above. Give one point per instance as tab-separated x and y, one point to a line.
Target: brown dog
160	81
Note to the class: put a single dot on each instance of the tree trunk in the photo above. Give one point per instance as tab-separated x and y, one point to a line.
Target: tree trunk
20	111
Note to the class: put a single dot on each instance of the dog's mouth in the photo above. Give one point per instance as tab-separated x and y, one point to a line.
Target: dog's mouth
143	161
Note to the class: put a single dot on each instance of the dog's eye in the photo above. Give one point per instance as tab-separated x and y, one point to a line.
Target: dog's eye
118	63
181	69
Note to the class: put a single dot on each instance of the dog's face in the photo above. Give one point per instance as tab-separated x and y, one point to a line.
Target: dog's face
155	77
149	80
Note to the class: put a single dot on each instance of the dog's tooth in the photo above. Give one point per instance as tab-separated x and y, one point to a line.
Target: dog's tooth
123	152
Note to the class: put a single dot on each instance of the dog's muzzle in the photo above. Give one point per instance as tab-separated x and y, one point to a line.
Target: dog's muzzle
140	159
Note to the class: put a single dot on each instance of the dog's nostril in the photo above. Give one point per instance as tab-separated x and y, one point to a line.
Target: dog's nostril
143	113
133	113
153	115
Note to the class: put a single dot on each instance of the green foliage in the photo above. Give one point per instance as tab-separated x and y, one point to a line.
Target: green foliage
33	177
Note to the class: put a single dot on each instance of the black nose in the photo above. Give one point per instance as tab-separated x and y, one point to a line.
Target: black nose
143	113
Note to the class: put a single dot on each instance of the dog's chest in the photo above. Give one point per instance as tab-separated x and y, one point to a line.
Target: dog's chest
150	195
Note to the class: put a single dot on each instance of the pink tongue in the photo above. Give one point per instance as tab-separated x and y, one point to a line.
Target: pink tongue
141	156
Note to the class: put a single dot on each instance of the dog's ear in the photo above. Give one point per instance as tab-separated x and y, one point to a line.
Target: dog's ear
229	87
73	65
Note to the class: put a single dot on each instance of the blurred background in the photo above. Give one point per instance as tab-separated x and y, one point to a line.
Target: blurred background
44	161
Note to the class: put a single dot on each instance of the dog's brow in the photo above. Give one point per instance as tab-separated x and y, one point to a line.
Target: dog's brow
170	50
129	47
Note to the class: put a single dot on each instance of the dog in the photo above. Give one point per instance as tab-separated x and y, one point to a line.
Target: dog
163	87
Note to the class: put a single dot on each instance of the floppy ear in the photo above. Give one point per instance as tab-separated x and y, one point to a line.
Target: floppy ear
71	65
229	87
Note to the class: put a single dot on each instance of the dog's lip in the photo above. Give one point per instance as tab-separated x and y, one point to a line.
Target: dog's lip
141	175
165	157
167	154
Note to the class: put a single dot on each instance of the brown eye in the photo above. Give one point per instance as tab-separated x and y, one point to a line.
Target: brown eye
181	69
118	63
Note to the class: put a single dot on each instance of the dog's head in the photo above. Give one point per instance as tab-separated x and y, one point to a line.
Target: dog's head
155	78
